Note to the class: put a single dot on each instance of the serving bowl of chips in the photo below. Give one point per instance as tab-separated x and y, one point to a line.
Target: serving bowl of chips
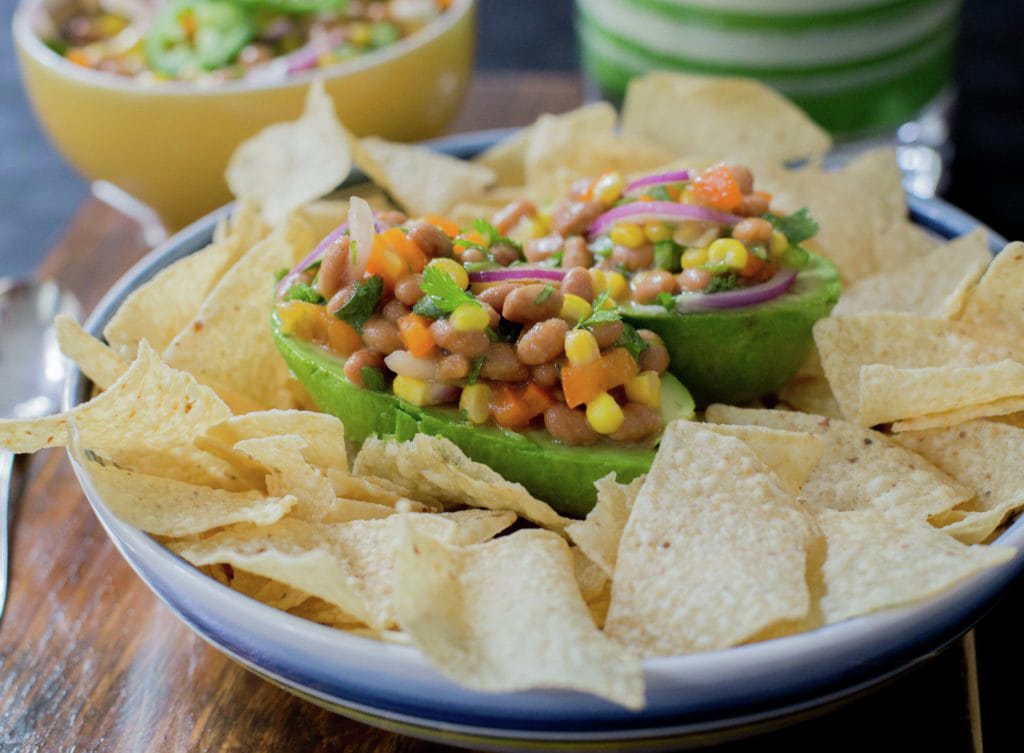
772	560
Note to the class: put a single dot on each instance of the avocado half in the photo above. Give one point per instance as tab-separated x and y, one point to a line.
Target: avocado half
561	475
737	355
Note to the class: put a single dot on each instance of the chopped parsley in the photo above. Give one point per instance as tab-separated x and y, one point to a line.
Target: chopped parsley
544	294
372	378
722	283
666	300
797	227
361	305
443	292
474	370
631	341
300	291
600	315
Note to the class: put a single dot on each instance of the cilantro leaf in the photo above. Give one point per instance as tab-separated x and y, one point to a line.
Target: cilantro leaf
280	274
427	306
721	283
600	314
373	379
797	227
494	236
444	291
361	305
300	291
667	300
474	370
631	341
545	293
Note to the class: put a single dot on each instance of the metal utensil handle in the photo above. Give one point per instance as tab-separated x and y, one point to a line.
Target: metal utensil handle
6	478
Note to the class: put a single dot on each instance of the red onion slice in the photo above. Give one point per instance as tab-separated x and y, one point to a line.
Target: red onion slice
517	274
646	211
766	291
656	180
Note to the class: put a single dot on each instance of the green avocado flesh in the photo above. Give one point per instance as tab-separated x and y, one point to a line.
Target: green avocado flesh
559	474
736	355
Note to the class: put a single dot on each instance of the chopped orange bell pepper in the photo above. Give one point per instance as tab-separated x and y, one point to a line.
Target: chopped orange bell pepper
514	408
581	384
339	336
448	227
416	336
717	188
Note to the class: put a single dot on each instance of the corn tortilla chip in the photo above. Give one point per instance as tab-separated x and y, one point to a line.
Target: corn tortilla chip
876	563
808	390
860	468
96	360
735	542
290	164
266	591
508	615
995	409
323	434
727	118
598	535
997	303
790	455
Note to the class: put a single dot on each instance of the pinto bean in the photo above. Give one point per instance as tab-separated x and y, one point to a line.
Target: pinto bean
542	342
468	344
546	374
452	368
743	177
569	426
694	280
495	296
509	216
530	303
502	365
576	253
394	310
573	217
753	205
392	217
655	356
639	422
493	316
504	253
540	249
753	230
577	282
362	359
332	268
647	286
431	240
607	334
472	254
633	259
407	289
382	335
339	299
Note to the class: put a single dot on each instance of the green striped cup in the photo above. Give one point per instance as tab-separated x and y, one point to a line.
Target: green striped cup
856	66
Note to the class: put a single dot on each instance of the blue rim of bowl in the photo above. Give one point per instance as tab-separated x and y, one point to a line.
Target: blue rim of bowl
858	656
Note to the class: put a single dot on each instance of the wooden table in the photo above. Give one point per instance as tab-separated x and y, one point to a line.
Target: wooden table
90	660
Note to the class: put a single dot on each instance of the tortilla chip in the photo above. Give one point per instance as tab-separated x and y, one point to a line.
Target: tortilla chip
931	287
904	341
290	164
876	563
808	390
228	343
889	394
97	361
995	409
790	455
859	468
323	434
419	179
507	616
371	489
735	543
437	471
598	535
997	303
726	118
267	591
984	455
317	610
167	507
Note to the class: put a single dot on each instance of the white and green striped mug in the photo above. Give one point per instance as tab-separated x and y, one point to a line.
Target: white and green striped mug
856	66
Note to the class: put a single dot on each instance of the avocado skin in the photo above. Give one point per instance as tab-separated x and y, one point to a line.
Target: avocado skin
737	355
561	475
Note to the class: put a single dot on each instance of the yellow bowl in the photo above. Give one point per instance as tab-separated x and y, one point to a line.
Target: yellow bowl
167	145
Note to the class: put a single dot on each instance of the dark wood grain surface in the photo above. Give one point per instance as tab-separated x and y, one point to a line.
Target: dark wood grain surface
90	660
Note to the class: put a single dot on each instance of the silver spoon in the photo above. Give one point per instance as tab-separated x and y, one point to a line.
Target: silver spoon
32	373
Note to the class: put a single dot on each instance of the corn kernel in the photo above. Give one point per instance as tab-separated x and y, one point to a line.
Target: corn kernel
575	308
604	414
628	234
779	243
360	34
693	258
453	269
581	347
688	196
657	231
728	251
299	319
599	280
470	317
618	288
475	401
415	391
645	388
539	227
608	188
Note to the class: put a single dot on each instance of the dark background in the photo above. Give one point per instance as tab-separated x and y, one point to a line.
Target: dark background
38	193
